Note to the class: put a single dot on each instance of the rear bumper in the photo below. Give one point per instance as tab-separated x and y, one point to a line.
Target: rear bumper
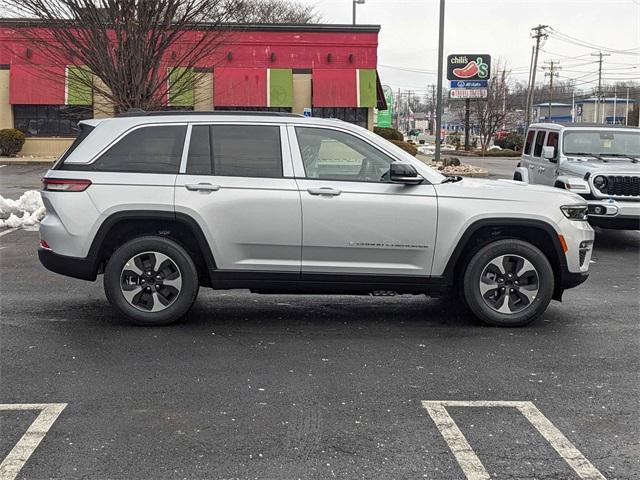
82	268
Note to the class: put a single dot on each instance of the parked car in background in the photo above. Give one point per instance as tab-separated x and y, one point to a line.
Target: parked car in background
599	162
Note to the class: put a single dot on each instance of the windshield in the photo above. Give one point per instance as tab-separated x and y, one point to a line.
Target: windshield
598	142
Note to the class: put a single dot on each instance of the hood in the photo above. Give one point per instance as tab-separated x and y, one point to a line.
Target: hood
507	190
608	164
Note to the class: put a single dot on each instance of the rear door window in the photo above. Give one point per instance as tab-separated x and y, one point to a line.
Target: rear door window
235	151
537	149
528	142
153	149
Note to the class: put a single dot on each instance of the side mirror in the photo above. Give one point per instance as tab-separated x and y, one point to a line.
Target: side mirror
400	172
549	153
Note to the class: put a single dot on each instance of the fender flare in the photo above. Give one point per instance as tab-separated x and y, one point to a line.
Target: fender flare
573	184
157	215
524	173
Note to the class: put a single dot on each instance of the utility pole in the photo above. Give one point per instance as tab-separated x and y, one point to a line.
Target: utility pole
600	55
553	67
440	74
539	35
433	108
527	114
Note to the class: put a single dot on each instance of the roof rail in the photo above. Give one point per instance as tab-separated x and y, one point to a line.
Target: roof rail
137	112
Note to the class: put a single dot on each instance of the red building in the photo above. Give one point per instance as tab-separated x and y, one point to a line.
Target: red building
327	70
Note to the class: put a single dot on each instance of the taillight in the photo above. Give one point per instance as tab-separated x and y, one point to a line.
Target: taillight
64	185
44	245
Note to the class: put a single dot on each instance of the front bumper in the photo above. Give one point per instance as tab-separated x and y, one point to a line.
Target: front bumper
611	213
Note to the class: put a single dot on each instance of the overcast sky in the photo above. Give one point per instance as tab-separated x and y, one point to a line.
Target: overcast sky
501	28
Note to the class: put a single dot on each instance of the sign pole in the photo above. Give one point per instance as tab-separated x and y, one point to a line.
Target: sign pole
467	104
439	87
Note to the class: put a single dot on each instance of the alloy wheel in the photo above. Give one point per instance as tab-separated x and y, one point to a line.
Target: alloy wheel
150	281
509	284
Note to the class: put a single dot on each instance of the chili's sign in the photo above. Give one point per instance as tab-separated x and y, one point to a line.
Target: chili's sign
469	67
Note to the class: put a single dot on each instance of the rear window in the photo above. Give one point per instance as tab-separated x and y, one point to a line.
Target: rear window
153	149
235	151
85	130
528	142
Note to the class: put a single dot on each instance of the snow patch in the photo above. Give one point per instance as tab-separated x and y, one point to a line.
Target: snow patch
26	211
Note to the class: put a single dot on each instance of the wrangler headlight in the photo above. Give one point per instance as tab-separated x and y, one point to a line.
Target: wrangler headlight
600	182
575	212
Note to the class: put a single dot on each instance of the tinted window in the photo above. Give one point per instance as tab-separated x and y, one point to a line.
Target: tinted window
537	151
85	130
145	150
246	151
199	160
552	141
332	155
528	142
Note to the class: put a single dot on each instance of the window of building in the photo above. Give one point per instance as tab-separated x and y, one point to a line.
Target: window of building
156	149
333	155
236	150
254	109
50	120
354	115
528	142
537	151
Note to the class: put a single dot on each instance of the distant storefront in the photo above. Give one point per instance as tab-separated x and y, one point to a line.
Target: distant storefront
322	70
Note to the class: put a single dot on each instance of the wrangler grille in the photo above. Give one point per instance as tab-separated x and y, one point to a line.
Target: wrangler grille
619	185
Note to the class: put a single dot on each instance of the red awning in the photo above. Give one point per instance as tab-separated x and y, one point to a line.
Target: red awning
36	85
335	88
240	87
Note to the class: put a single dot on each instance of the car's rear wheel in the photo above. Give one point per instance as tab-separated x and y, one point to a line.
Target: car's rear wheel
517	176
151	280
508	283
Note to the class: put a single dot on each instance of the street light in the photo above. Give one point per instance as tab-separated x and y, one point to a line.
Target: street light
356	2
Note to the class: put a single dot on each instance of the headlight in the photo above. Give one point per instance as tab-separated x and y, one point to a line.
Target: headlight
575	212
600	182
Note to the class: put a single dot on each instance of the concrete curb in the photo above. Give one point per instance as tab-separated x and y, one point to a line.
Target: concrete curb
26	161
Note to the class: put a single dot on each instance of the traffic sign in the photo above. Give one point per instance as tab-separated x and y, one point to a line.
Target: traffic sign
469	83
470	93
307	112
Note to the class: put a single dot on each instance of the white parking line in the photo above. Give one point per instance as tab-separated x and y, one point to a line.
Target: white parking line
2	166
20	453
469	461
7	231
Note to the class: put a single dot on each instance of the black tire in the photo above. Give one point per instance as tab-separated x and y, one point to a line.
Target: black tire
524	310
180	303
517	176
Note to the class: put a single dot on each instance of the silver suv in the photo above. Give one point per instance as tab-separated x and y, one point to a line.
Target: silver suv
598	162
162	204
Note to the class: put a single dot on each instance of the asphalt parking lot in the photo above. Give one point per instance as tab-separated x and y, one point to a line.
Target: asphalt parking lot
287	387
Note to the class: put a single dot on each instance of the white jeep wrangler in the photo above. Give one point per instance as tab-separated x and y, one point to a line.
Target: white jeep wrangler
162	204
599	162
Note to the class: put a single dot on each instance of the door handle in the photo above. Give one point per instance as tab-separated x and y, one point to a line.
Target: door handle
331	192
203	187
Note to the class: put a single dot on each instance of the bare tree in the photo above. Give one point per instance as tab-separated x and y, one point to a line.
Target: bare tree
274	11
490	114
135	48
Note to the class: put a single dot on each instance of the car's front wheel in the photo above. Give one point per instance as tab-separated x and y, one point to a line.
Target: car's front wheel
151	280
508	283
